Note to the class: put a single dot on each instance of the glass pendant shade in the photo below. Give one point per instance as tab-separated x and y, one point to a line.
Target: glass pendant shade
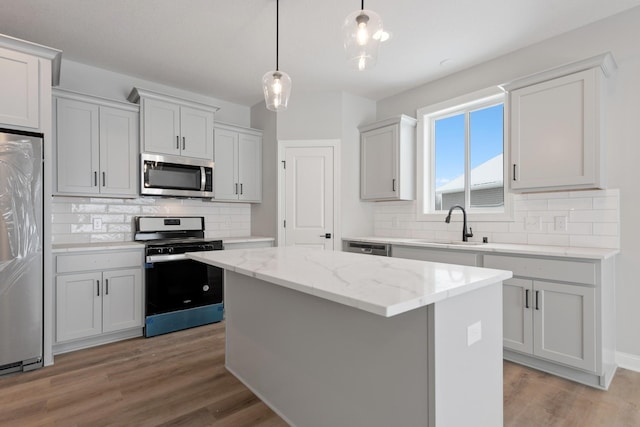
277	88
362	33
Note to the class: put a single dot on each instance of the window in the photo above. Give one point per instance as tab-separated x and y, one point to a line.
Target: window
462	157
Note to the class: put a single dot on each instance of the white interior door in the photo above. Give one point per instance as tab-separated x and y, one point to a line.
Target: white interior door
309	196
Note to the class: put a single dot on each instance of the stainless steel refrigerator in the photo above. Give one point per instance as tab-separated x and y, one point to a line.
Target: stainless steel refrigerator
21	281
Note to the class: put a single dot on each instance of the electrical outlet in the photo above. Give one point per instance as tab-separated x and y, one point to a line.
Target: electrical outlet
474	333
97	224
561	223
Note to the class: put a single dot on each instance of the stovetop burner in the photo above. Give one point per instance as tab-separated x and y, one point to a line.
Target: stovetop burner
173	235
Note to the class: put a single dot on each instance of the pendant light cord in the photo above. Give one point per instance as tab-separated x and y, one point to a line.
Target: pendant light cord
278	30
362	5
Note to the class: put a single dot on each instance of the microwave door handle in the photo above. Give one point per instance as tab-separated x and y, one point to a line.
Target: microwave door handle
203	178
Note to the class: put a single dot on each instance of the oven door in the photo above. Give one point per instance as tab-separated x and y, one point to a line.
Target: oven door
181	284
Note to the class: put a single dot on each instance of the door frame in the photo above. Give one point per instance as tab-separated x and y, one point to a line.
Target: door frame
309	143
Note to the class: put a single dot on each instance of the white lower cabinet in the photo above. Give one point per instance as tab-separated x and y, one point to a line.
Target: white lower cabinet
98	298
559	316
551	320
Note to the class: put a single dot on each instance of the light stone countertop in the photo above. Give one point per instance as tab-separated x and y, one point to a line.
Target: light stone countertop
247	239
506	248
379	285
96	246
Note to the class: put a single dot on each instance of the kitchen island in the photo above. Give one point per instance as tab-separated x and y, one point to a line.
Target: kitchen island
340	339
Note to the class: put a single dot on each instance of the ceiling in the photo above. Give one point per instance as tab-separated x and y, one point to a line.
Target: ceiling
222	48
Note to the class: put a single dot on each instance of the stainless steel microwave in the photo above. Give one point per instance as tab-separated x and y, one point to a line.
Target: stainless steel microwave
174	176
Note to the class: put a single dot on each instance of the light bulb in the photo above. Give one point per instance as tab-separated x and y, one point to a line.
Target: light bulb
277	86
362	35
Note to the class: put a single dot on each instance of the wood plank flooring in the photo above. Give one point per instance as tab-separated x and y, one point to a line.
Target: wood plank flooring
179	379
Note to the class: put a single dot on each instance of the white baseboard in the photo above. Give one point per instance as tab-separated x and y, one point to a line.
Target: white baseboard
628	361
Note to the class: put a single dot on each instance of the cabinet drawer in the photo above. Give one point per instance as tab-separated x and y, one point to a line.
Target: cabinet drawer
98	261
557	270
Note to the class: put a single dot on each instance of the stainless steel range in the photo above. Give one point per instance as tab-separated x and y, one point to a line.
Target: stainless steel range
180	293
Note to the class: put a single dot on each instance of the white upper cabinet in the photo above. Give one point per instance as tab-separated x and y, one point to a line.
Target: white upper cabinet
27	72
19	89
556	127
96	144
237	174
387	159
174	126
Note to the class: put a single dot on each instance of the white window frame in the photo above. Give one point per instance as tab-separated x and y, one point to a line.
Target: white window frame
426	149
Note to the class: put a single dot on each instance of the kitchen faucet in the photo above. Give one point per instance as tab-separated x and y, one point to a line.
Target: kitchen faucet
464	222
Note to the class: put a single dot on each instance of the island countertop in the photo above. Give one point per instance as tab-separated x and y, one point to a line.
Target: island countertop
379	285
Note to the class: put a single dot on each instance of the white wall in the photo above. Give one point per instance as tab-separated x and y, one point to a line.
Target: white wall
264	215
620	35
356	215
107	84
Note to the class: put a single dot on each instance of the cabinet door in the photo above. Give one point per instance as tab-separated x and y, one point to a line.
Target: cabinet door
554	133
19	89
196	128
118	152
564	324
517	315
160	127
379	163
250	167
77	146
122	300
225	171
78	306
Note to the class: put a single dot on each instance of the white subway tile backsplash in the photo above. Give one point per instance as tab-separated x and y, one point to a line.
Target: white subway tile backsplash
593	219
606	202
595	241
531	205
72	217
594	216
571	204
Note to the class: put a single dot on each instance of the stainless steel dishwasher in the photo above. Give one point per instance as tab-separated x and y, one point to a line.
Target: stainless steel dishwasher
383	249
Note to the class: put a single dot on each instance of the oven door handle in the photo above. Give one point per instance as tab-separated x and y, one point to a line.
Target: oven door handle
165	258
203	179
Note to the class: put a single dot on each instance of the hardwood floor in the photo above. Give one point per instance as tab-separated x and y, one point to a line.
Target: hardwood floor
179	380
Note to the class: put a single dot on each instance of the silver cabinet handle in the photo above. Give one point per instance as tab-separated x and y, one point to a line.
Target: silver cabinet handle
236	188
241	191
104	178
106	284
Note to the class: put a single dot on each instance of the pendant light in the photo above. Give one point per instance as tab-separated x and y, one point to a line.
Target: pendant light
362	33
276	84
